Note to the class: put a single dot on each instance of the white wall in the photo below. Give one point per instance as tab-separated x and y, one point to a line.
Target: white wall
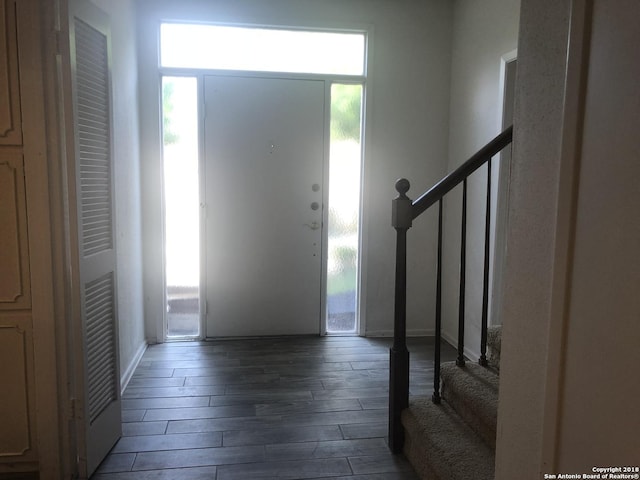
406	136
598	413
126	156
531	238
569	389
483	32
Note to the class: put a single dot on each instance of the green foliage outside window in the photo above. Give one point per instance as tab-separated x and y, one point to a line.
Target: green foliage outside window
169	137
345	112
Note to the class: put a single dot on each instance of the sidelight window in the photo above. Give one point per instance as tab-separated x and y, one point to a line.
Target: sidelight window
344	207
181	205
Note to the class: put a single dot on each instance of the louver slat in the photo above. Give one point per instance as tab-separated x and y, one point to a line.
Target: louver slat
101	349
94	149
95	190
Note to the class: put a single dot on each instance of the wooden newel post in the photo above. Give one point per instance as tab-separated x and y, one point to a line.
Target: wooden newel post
401	220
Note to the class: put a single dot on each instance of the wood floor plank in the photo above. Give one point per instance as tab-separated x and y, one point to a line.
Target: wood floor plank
337	384
164	402
198	457
199	412
261	398
312	406
373	403
156	392
326	449
262	408
276	387
365	430
156	382
144	428
193	473
151	443
133	415
281	434
350	393
335	418
117	462
233	379
147	372
293	470
222	424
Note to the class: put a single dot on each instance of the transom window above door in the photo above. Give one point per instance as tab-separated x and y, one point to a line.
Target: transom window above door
261	49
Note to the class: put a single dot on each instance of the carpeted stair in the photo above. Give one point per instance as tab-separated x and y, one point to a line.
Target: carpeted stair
456	439
494	339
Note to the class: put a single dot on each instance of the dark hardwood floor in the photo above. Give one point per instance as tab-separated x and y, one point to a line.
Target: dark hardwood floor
270	408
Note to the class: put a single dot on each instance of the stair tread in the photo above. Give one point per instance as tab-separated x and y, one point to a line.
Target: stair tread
440	444
472	391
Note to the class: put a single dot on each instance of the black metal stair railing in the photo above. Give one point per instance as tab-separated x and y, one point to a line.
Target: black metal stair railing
404	211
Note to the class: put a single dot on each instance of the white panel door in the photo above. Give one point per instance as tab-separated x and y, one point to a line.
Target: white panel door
264	142
90	62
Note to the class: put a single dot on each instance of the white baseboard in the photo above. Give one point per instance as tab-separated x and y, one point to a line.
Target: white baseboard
453	341
128	373
418	332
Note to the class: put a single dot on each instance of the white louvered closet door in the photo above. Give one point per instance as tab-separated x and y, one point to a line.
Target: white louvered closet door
96	223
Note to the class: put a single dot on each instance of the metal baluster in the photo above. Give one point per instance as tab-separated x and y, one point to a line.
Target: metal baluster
485	282
463	267
436	364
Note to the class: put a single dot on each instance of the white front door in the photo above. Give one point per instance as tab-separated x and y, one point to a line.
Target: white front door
264	150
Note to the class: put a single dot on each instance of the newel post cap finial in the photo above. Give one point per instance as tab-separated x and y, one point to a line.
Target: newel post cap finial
402	186
401	211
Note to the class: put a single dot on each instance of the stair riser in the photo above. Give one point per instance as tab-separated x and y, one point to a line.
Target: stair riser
483	424
416	457
441	446
472	391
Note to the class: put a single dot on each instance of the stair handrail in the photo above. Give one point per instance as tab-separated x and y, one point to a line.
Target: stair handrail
404	211
456	177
